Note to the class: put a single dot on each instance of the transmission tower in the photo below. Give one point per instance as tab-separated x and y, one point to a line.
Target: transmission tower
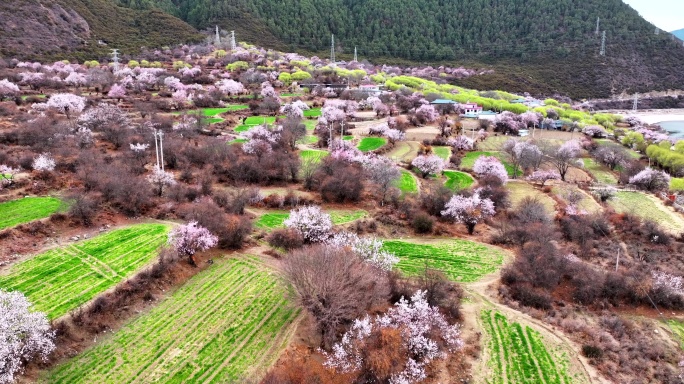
115	59
217	37
603	44
356	57
332	50
233	45
657	31
636	102
598	24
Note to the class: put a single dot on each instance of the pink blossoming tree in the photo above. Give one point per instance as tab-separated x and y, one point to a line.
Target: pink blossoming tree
190	238
469	210
490	166
428	165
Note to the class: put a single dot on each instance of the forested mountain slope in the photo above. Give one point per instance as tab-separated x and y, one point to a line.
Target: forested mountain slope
61	29
520	34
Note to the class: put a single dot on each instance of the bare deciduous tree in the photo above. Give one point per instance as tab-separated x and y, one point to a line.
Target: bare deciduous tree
334	286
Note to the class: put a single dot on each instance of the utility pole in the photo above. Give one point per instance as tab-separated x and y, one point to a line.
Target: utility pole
636	102
657	31
603	44
161	148
233	44
115	59
598	24
156	147
617	262
356	56
217	37
332	50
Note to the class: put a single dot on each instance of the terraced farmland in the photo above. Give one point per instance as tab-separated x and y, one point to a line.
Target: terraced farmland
519	355
316	154
468	160
458	180
519	190
275	219
443	152
460	260
601	173
62	279
648	207
225	325
407	183
368	144
24	210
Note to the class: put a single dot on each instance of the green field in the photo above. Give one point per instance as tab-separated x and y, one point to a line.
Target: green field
649	208
259	120
309	139
460	260
601	173
209	114
588	203
238	141
275	219
368	144
313	153
227	324
468	160
458	180
313	112
518	190
519	355
404	151
62	279
407	183
443	152
24	210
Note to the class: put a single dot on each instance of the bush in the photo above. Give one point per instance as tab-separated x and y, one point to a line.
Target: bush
422	223
287	239
434	201
592	352
531	297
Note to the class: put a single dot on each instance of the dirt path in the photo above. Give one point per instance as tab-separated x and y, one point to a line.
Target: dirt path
482	295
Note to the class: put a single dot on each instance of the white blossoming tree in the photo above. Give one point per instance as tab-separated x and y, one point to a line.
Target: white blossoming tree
24	335
161	179
66	103
490	166
369	249
425	336
311	222
44	163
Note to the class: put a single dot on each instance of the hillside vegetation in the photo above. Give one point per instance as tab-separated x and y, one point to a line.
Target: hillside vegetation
538	46
72	28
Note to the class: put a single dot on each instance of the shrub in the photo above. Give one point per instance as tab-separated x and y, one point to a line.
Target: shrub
422	223
592	352
287	239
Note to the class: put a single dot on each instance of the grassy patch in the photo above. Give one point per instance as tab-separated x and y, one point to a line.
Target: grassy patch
460	260
238	141
607	142
677	328
368	144
227	323
310	124
348	138
407	183
313	153
458	180
62	279
291	94
24	210
404	151
313	112
308	139
443	152
259	120
275	219
601	173
587	203
519	190
518	354
468	160
649	208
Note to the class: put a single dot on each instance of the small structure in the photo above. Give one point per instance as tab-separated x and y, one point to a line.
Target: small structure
370	89
443	102
471	108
